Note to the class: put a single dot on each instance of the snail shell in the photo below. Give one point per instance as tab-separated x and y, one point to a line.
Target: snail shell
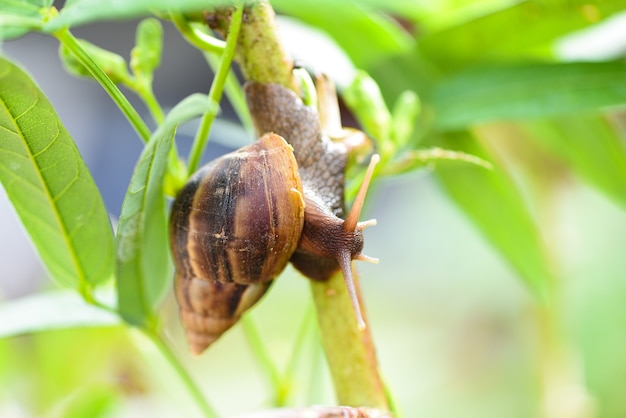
241	218
233	228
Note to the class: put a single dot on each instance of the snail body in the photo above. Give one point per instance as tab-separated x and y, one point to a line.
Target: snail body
329	242
241	218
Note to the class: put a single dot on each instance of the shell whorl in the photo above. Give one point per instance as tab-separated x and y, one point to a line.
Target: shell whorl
233	229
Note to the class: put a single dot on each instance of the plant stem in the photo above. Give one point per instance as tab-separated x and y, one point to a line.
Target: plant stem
213	49
185	377
349	350
306	329
264	359
215	93
563	390
235	94
71	43
155	109
260	52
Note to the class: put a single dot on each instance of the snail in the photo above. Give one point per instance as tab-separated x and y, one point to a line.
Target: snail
233	228
242	217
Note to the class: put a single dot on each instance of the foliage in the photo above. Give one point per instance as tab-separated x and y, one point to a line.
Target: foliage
476	89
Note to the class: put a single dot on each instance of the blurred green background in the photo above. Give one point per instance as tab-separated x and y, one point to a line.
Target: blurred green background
499	293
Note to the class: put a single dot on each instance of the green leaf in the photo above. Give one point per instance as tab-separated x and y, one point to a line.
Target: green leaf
49	185
363	33
527	91
51	311
415	159
192	106
84	11
142	254
494	204
512	31
144	267
19	16
91	401
590	146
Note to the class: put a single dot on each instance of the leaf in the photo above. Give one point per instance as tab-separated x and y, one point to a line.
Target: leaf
51	311
49	185
512	31
415	159
590	146
144	266
17	17
527	91
142	255
494	204
362	32
91	401
25	7
192	106
83	11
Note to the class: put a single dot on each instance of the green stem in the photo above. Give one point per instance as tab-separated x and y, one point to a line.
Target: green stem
183	374
305	331
349	350
260	51
197	38
213	49
215	93
264	359
176	174
71	43
86	291
235	94
560	368
155	109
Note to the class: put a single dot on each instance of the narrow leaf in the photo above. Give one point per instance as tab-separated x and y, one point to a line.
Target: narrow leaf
144	267
51	311
494	204
91	401
415	159
590	146
192	106
527	91
49	185
84	11
511	31
362	32
142	255
113	65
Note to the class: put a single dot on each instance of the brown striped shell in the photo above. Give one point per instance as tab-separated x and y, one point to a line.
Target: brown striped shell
233	228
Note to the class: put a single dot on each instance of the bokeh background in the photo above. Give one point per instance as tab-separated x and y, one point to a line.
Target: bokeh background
455	326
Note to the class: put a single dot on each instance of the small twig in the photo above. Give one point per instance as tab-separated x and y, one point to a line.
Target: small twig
215	93
183	374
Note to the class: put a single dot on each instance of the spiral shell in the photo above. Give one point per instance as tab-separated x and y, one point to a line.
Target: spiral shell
233	228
